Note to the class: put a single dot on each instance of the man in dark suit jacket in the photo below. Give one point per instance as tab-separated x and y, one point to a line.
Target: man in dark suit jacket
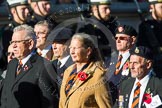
60	47
150	90
125	39
28	82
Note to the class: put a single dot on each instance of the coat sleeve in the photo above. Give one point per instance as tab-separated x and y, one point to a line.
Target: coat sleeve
62	90
102	94
48	88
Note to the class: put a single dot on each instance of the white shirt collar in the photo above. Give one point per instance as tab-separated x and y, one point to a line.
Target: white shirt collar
125	57
145	79
24	60
45	50
64	60
125	54
143	82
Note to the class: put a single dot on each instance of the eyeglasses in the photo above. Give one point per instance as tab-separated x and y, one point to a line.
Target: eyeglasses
75	47
41	33
9	54
11	42
121	38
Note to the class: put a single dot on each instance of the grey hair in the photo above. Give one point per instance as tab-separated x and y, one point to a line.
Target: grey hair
44	23
88	41
30	34
85	38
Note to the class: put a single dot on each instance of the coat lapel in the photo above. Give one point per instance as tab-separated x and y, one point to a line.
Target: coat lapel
26	68
150	86
14	69
127	91
111	67
79	83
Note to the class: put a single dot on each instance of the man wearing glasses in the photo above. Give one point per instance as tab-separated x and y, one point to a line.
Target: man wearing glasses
42	29
28	83
19	14
119	65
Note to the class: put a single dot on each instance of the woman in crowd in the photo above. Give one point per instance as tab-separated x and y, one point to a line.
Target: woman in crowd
83	83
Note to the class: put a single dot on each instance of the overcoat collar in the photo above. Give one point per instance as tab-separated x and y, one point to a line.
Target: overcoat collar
28	65
78	83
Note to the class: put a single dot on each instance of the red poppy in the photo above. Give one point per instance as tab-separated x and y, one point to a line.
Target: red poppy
126	65
82	76
26	68
147	98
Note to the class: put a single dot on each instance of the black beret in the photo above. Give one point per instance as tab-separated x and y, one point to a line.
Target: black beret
126	29
60	35
142	51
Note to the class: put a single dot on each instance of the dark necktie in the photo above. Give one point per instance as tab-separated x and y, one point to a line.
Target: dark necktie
118	64
58	64
136	95
19	67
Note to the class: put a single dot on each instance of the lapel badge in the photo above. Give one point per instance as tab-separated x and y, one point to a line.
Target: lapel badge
137	50
26	68
120	29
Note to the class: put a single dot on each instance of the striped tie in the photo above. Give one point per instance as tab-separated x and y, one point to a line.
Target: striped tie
19	67
70	81
40	53
136	96
118	64
58	64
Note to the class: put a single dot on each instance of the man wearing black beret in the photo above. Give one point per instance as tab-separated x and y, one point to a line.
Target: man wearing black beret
143	89
118	67
61	40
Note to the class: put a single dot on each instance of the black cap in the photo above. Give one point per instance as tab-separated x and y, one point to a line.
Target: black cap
61	34
142	51
126	29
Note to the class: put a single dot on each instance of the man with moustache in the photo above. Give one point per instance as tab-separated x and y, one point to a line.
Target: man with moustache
144	89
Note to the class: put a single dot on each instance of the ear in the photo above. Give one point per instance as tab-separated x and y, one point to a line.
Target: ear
149	64
152	7
31	44
89	51
12	11
133	40
94	8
